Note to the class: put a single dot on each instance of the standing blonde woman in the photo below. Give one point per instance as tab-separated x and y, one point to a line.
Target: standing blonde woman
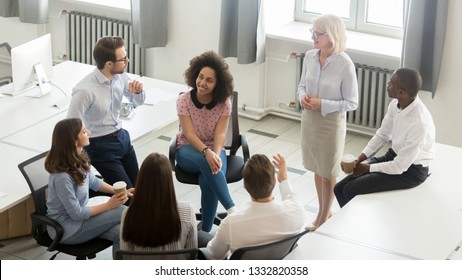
328	89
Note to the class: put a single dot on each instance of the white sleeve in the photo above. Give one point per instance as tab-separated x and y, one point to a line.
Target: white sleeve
218	247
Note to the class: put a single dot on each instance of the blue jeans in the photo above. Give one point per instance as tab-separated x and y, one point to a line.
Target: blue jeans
114	157
105	225
214	187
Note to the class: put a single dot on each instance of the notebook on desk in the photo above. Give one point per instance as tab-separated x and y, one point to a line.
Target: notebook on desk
32	91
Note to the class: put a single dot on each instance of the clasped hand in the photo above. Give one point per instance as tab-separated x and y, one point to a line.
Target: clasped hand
310	103
358	169
214	161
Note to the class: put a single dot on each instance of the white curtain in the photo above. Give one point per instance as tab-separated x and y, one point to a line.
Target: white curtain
423	40
150	22
241	30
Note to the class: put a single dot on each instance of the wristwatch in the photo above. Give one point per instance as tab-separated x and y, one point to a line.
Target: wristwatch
204	151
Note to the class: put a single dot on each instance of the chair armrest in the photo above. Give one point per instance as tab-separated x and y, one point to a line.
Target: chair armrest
245	147
43	221
172	151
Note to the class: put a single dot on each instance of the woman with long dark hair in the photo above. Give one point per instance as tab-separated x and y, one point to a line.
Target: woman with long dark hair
69	184
155	220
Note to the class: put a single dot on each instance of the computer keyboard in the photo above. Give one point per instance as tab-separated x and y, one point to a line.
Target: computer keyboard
7	89
33	92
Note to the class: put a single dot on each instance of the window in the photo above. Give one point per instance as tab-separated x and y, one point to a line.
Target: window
121	4
378	17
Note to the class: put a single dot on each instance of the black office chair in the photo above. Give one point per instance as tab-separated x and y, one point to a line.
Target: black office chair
184	254
235	163
6	79
272	251
37	178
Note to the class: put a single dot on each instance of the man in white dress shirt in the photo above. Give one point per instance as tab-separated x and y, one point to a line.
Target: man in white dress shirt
266	219
409	125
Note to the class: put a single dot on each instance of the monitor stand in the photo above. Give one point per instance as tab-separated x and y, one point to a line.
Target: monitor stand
44	86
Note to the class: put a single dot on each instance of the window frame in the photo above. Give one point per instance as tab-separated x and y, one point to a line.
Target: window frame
119	4
356	22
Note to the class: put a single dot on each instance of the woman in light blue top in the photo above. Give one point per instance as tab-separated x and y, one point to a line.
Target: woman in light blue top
328	89
68	187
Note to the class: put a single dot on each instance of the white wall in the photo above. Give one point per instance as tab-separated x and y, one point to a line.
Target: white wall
194	28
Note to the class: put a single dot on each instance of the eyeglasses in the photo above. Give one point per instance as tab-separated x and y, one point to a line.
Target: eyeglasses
316	34
124	60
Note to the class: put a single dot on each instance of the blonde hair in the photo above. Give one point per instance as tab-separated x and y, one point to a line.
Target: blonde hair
335	29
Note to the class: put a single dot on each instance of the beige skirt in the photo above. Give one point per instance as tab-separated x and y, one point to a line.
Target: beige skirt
323	141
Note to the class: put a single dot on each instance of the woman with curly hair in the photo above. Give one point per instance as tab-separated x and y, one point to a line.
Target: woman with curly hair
68	186
204	113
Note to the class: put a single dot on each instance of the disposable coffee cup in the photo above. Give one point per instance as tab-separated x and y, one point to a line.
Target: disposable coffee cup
348	162
120	186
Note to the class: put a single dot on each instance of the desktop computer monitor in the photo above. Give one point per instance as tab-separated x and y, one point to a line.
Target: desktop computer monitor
32	65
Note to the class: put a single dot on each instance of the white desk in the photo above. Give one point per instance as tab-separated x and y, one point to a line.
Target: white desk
149	117
145	119
424	222
314	246
457	253
13	183
27	123
20	112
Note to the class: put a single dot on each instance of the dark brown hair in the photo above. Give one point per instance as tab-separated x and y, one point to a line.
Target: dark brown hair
152	219
105	48
63	156
259	176
224	87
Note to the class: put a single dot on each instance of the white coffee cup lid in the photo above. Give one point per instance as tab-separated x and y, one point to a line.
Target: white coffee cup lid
348	158
119	184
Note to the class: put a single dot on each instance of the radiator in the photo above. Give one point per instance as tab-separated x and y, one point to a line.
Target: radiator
373	99
83	30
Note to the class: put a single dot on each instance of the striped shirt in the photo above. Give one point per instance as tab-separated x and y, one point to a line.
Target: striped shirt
188	237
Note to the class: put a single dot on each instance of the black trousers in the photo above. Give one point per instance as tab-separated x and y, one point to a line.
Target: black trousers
374	182
114	157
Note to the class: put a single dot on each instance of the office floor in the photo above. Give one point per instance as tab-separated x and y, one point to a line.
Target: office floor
267	136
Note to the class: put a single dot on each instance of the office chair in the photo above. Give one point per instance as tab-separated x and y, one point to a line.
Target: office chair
235	163
6	79
184	254
36	176
272	251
